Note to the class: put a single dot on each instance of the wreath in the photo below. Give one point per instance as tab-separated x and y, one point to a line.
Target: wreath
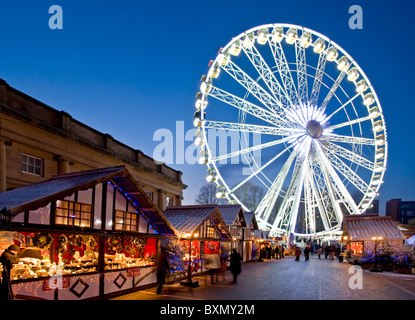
114	245
43	240
93	245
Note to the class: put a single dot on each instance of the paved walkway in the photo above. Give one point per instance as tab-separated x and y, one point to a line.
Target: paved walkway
287	279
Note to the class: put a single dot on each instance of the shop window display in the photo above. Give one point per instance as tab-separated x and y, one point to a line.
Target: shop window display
45	254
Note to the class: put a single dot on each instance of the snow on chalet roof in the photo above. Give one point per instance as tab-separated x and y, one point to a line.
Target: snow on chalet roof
367	226
186	219
40	194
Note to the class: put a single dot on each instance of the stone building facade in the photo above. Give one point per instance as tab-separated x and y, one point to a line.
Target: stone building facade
38	141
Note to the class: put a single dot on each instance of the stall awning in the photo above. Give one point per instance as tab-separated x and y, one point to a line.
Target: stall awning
367	226
58	187
187	219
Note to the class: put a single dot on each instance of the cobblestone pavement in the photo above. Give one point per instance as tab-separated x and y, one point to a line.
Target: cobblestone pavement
287	279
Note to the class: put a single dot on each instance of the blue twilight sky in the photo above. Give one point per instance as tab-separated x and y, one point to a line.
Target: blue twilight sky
129	68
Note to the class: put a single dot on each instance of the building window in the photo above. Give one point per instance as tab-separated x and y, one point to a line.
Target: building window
73	213
150	195
125	221
210	232
32	165
169	201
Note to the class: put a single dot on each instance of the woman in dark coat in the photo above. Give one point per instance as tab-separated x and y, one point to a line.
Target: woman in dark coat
8	259
236	261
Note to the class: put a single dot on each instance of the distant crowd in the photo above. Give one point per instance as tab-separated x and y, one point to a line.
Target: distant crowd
330	251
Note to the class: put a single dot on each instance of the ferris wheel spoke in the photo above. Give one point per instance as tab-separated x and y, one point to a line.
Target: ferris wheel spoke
273	104
348	123
318	196
284	71
288	212
301	72
256	172
252	128
246	106
345	196
347	139
267	75
310	204
348	173
333	89
332	213
349	155
344	105
267	204
253	148
327	211
318	79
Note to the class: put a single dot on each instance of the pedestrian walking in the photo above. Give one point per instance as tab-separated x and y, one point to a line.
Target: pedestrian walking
236	262
277	253
326	250
307	253
214	265
319	252
332	251
8	259
337	251
162	268
282	251
297	254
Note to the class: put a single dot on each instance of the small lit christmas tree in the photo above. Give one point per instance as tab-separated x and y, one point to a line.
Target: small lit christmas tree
175	258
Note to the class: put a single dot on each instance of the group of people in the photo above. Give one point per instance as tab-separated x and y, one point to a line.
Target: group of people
215	264
269	252
330	251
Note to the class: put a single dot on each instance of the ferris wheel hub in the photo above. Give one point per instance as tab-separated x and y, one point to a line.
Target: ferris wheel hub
314	129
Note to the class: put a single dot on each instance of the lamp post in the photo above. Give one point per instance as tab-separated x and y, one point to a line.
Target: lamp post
5	219
375	269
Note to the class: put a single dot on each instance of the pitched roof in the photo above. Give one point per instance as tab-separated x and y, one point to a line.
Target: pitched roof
250	218
186	219
230	212
367	226
60	186
20	199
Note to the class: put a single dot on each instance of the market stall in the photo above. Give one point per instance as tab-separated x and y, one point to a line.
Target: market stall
201	231
365	233
83	235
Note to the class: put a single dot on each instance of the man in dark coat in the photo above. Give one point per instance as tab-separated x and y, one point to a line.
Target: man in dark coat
162	268
8	259
236	261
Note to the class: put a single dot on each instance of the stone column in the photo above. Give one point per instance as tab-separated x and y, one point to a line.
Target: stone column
179	200
63	164
161	202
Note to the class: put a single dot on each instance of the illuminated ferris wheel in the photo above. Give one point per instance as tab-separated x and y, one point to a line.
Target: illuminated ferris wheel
323	149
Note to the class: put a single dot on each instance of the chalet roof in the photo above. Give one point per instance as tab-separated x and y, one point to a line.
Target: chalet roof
230	213
37	195
367	226
186	219
250	218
